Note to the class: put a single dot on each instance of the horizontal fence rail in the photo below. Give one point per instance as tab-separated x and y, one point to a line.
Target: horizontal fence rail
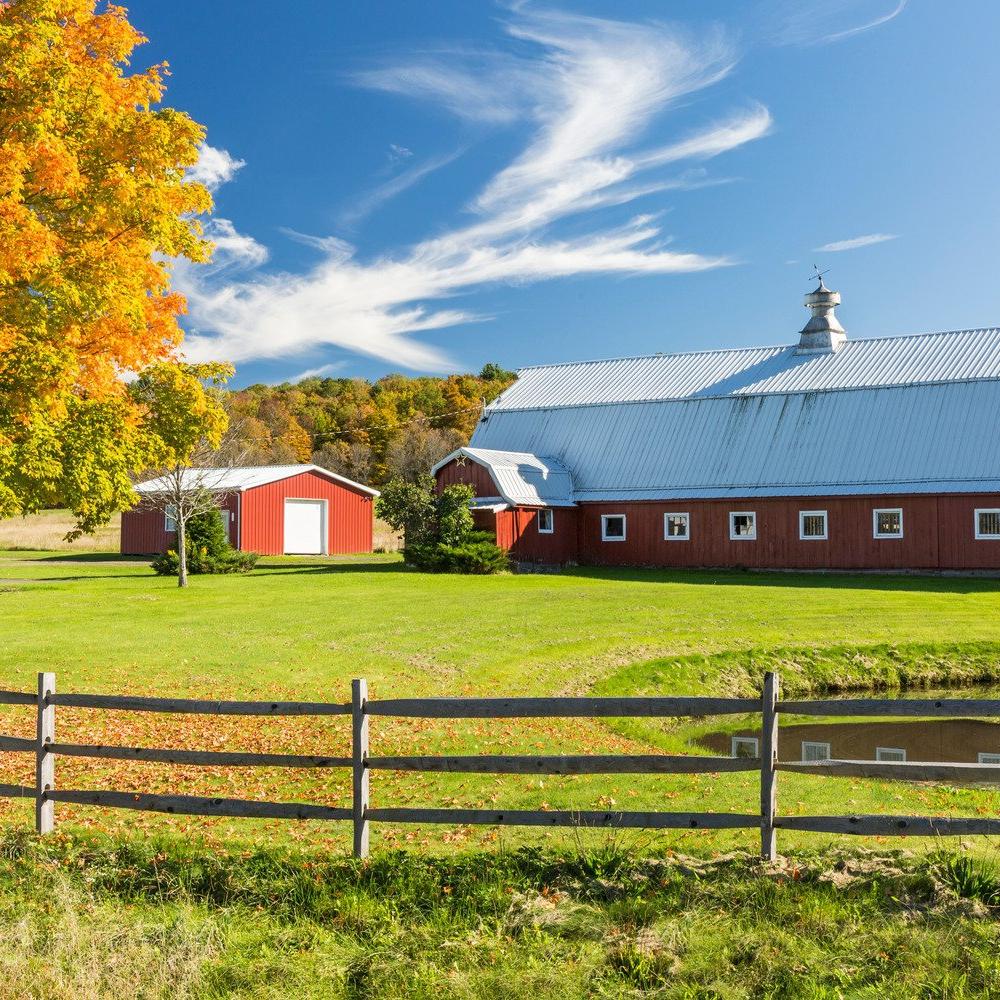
46	749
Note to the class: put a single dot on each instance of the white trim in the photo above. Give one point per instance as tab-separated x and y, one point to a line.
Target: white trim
752	740
325	535
988	758
604	528
245	477
886	510
552	521
803	537
686	537
170	519
815	743
881	751
980	536
544	466
733	537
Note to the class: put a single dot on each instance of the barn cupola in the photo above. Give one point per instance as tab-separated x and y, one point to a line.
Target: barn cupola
823	334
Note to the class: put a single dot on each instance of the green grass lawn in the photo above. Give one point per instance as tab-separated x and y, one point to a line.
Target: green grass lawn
143	904
302	628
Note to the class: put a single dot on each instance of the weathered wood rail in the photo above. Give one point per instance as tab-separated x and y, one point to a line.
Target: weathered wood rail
361	813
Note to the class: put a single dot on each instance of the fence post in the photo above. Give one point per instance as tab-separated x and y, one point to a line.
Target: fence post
359	754
768	767
45	762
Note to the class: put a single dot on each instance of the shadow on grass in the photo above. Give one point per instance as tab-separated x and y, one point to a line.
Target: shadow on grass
80	557
805	580
301	568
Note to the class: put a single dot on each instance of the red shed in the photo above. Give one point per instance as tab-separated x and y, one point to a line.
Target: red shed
270	509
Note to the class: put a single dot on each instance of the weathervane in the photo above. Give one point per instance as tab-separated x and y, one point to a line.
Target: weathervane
818	276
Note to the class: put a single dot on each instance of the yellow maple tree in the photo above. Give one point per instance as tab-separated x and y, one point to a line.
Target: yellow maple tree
94	205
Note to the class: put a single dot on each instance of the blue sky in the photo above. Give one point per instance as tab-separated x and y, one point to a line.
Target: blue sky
427	186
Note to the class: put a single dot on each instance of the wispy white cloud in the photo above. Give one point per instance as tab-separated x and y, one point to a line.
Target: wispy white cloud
820	22
376	198
589	92
232	248
214	167
322	372
855	243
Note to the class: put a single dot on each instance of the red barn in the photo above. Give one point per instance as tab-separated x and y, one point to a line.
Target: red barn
270	509
825	454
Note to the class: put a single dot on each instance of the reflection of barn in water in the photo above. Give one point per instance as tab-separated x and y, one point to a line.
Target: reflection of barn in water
945	740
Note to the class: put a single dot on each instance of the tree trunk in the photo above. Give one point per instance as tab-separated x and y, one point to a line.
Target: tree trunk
182	564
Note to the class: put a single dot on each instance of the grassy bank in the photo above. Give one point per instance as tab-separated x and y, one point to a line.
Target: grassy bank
92	917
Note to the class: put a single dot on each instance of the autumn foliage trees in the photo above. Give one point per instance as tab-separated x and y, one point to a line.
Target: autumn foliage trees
372	432
93	205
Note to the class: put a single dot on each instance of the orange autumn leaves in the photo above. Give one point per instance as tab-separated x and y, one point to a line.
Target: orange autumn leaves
93	205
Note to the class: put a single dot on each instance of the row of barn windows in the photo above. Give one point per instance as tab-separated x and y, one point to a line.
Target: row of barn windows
749	746
887	522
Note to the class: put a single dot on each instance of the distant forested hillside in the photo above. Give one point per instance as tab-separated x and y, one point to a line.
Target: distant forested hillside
367	431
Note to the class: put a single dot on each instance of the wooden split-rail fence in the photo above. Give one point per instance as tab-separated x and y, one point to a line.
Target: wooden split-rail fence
362	814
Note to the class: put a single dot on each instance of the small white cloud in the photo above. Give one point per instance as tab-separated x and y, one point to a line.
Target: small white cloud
853	244
233	248
321	372
374	199
398	153
214	168
820	22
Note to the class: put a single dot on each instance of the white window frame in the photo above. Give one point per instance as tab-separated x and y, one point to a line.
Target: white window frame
604	528
815	743
803	537
687	524
551	518
733	537
753	740
988	758
887	510
170	518
881	751
980	536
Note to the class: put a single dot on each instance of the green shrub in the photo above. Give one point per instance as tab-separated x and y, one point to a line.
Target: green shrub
476	553
208	549
438	528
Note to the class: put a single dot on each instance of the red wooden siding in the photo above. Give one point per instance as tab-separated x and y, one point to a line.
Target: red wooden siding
472	473
349	514
938	533
143	528
517	530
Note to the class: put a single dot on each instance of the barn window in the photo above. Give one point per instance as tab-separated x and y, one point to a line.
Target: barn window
170	518
887	522
989	758
546	522
742	525
745	746
988	523
612	527
812	524
891	754
676	527
815	751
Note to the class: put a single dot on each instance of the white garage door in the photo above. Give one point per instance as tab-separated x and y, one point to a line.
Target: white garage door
305	527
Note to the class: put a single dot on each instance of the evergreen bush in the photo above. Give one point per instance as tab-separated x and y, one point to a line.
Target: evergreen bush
208	549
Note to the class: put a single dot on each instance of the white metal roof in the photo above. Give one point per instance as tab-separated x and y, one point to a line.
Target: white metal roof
889	361
936	437
244	477
521	478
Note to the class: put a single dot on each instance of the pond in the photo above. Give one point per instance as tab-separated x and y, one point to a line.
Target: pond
945	740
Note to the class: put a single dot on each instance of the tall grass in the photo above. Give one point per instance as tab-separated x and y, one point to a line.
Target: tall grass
97	917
